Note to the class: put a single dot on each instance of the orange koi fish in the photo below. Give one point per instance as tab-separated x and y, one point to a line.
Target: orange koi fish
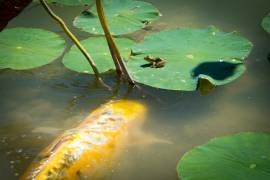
82	152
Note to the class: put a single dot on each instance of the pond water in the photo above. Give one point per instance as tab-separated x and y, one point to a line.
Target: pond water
38	105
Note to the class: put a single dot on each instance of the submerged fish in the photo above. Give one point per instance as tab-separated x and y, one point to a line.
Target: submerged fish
82	152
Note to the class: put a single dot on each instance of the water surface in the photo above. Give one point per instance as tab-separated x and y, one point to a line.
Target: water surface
37	105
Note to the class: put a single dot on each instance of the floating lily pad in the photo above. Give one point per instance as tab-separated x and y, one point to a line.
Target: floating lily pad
27	48
123	17
242	156
266	23
73	2
191	54
98	48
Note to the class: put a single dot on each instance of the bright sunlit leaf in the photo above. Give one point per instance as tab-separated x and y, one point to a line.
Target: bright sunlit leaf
27	48
242	156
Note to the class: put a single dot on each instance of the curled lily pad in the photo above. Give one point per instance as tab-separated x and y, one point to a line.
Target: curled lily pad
123	17
100	52
266	23
27	48
190	54
73	2
242	156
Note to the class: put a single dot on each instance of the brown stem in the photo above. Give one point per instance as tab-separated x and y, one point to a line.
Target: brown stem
74	39
118	61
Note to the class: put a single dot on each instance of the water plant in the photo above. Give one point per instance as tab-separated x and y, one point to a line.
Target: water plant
266	23
240	156
191	59
188	53
18	47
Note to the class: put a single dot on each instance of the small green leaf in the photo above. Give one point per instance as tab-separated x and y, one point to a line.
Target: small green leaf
242	156
27	48
98	48
73	2
266	23
123	17
191	54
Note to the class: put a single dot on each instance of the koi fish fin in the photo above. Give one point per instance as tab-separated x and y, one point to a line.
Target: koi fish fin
46	130
138	137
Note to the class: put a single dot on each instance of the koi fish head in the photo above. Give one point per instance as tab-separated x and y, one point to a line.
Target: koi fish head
131	110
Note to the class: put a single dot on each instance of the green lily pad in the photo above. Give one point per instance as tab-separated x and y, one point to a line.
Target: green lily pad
73	2
242	156
98	48
266	23
190	54
123	17
27	48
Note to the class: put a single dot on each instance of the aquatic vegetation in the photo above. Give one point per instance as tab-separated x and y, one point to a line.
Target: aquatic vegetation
182	59
196	58
86	151
191	54
241	156
100	52
266	23
123	17
27	48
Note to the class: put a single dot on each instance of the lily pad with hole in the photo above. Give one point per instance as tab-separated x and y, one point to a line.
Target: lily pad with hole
123	17
190	54
98	48
266	23
242	156
27	48
73	2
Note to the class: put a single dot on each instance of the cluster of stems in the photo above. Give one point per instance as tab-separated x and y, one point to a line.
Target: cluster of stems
116	56
115	53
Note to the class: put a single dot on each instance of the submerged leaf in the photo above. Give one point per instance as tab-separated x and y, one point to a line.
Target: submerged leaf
123	17
27	48
266	23
190	54
98	48
242	156
73	2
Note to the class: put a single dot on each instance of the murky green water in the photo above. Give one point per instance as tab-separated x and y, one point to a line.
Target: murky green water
37	105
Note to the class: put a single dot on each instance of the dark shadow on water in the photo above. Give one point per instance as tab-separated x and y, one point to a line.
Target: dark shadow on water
146	65
216	70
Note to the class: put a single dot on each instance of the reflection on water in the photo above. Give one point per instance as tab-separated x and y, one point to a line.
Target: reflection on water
38	105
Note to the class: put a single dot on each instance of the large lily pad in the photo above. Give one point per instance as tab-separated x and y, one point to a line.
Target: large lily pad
123	17
266	23
27	48
242	156
191	54
73	2
98	48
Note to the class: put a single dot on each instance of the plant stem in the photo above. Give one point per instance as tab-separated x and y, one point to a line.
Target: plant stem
74	39
118	61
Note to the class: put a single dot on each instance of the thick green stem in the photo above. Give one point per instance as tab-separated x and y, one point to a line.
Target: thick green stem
118	61
73	38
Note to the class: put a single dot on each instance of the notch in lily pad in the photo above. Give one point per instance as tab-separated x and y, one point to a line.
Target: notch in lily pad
191	55
123	16
237	157
27	48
